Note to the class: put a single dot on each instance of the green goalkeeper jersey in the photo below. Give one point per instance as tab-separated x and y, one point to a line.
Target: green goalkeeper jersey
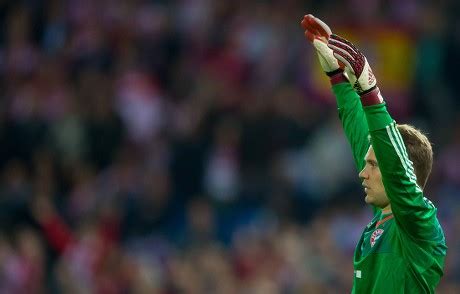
404	251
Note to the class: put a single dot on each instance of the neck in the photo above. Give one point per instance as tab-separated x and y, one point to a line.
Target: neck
386	209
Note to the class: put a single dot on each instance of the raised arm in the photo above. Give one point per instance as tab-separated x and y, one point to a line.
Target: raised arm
414	213
349	107
353	121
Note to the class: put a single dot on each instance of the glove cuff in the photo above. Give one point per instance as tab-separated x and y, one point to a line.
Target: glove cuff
337	77
371	97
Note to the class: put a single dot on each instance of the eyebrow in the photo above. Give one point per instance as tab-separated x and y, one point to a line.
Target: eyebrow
374	162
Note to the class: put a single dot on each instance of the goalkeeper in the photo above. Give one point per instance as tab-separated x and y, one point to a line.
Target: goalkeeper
402	250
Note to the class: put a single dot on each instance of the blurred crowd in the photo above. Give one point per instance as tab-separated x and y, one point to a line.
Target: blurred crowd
193	146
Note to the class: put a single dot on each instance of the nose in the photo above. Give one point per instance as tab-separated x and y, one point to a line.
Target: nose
363	174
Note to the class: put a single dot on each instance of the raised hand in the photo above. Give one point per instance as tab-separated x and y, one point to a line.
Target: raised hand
318	33
355	63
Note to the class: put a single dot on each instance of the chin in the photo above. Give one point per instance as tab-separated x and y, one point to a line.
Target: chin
368	199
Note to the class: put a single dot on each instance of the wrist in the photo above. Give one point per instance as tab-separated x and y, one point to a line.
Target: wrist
337	77
371	97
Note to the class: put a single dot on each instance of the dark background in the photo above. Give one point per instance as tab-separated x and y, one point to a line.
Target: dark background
194	146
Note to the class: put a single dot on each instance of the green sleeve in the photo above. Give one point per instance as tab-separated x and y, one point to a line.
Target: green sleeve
353	120
354	123
414	213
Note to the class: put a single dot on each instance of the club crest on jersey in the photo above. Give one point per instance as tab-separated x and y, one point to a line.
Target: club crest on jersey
375	236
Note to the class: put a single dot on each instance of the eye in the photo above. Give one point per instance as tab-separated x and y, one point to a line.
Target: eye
372	163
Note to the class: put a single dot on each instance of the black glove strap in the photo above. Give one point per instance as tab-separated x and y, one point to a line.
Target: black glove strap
333	73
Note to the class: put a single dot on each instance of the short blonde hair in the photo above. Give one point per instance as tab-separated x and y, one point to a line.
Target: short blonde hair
419	150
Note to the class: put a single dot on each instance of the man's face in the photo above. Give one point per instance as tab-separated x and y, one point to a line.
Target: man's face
372	182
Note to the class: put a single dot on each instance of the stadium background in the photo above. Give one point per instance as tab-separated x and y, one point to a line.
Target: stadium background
193	146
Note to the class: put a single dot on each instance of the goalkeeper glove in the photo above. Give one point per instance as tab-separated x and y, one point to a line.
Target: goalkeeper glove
318	33
357	69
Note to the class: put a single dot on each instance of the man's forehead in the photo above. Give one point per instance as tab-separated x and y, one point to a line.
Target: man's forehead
370	155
